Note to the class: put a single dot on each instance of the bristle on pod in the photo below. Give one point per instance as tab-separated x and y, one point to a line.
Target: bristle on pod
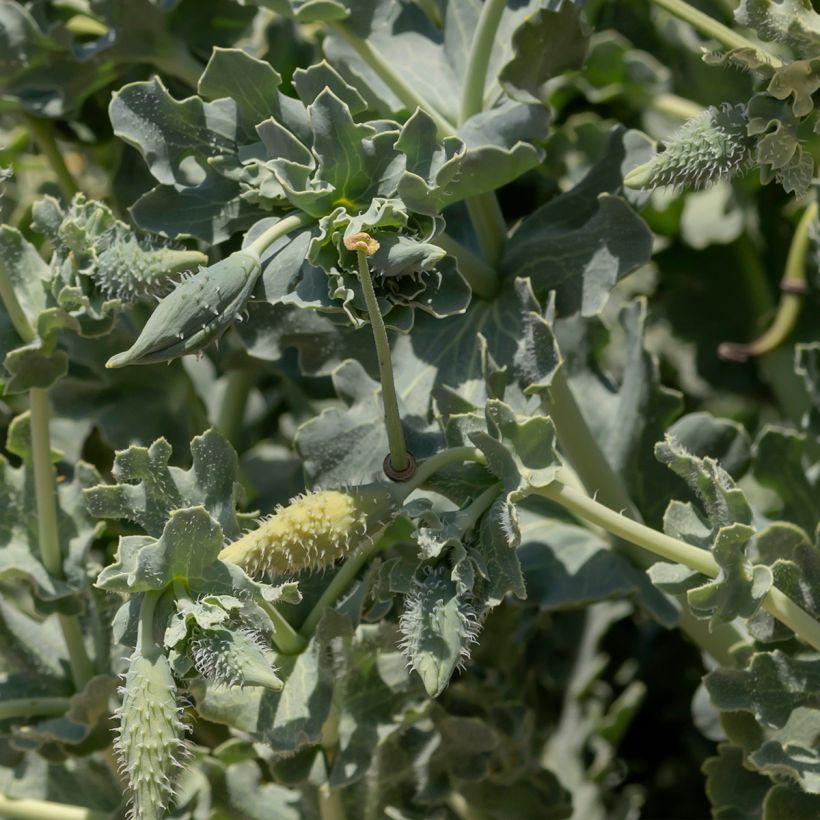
313	531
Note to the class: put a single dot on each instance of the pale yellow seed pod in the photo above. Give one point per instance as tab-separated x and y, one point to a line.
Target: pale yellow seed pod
313	531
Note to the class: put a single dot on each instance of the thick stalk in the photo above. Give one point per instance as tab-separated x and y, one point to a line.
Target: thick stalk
478	61
671	105
280	228
45	492
43	133
392	417
285	638
391	78
29	809
479	275
331	806
238	385
488	224
430	466
24	707
146	642
717	31
794	289
775	602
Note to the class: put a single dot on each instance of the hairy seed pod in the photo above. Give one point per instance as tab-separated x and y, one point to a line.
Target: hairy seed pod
313	531
234	658
150	744
708	148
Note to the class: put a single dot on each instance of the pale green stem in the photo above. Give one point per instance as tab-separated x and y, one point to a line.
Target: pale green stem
146	642
479	275
672	549
430	466
485	214
342	580
793	285
13	308
43	133
716	30
285	638
239	383
282	227
331	806
30	809
478	61
392	417
489	225
469	516
432	10
671	105
45	492
24	707
462	809
391	78
177	62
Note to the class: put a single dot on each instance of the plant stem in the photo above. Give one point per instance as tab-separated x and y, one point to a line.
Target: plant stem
239	383
43	133
343	579
671	105
392	417
391	78
146	642
23	707
13	308
793	286
286	639
478	61
479	275
280	228
488	224
700	560
468	517
331	806
430	466
716	30
30	809
177	61
582	449
45	492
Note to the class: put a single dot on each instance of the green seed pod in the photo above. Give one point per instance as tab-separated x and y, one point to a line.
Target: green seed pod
708	148
150	742
234	658
437	628
198	311
313	531
128	270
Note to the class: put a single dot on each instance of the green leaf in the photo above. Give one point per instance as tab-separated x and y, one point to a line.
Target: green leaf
546	44
788	803
779	464
770	686
797	763
807	366
583	241
791	22
148	489
734	792
499	538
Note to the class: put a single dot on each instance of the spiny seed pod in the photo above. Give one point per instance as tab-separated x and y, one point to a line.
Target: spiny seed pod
313	531
198	311
150	743
130	270
708	148
234	658
437	628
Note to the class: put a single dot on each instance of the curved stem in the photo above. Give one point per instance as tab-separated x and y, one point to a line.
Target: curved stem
488	224
392	417
146	642
479	275
282	227
391	78
239	383
45	492
717	31
286	639
24	707
14	309
43	133
468	517
793	286
478	61
775	602
430	466
671	105
30	809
